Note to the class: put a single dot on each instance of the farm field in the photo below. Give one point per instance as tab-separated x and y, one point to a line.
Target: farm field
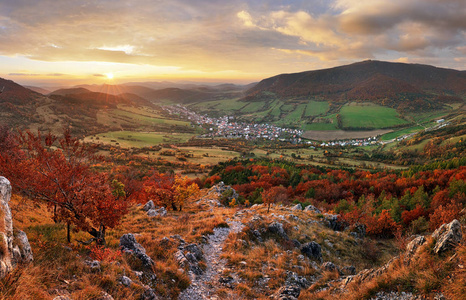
361	115
128	139
395	134
323	135
315	108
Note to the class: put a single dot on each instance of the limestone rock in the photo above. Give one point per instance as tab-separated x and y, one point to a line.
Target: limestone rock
312	208
128	244
14	245
447	236
149	205
412	248
312	250
289	292
277	228
160	212
332	222
329	266
126	281
297	207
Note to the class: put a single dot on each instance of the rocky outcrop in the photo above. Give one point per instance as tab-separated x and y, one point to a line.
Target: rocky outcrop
312	208
447	236
297	207
129	246
289	292
277	228
14	244
312	250
160	212
149	205
190	256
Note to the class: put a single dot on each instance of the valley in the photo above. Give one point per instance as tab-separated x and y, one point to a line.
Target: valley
316	185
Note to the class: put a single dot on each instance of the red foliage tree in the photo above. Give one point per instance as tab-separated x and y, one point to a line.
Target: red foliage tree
384	226
61	178
274	195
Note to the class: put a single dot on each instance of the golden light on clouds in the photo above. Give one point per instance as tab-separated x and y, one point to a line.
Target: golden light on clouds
236	40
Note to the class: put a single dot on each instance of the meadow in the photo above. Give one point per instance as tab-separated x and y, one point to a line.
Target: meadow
128	139
362	115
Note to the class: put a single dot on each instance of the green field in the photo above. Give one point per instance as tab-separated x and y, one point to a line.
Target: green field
322	126
138	139
295	115
398	133
370	116
315	108
253	107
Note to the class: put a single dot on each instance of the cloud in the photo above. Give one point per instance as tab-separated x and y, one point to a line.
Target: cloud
244	36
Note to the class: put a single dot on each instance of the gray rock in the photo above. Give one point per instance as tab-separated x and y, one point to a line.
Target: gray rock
312	250
129	245
149	205
149	294
297	207
296	243
333	223
289	292
329	266
412	248
14	245
160	212
292	279
126	281
195	250
277	228
22	242
348	270
312	208
447	236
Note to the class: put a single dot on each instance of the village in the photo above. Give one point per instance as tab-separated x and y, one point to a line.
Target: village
229	127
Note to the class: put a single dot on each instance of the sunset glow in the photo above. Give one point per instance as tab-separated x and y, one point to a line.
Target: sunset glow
235	41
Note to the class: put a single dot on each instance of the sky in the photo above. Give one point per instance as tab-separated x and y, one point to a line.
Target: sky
58	42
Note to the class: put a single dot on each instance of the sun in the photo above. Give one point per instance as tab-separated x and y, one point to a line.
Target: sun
109	75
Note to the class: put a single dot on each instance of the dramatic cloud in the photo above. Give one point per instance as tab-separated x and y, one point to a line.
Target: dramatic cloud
237	37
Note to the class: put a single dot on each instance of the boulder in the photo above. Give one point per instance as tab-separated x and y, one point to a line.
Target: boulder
289	292
149	205
312	250
332	222
412	248
126	281
14	244
277	228
312	208
329	266
129	245
160	212
447	236
194	250
348	270
297	207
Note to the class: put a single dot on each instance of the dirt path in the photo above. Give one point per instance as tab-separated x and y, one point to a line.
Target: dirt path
205	286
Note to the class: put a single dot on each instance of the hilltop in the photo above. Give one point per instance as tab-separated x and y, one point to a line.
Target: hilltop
398	85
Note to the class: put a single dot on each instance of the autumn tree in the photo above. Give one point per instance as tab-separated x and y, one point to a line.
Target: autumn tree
275	194
168	190
57	172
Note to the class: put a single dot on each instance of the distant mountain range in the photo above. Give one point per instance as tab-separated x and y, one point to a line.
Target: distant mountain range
399	85
406	87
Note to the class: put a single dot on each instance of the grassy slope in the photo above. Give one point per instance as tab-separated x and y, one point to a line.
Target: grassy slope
370	116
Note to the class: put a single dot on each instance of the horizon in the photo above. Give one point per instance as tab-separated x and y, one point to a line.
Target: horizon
241	42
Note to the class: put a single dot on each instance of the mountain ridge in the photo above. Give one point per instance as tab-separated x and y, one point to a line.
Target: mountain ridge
355	82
